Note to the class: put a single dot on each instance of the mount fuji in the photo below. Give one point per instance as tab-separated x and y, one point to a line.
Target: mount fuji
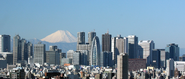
60	36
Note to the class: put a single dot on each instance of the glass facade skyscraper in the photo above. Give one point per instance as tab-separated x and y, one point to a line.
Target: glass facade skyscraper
95	52
133	46
172	51
4	43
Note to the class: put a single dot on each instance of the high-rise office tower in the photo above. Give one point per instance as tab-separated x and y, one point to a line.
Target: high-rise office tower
133	46
106	42
122	66
156	58
145	50
81	38
39	53
163	58
172	51
16	49
24	51
114	48
106	59
4	43
21	49
30	49
91	36
122	45
53	55
95	52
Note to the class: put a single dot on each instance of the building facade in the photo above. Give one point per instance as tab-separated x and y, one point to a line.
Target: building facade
39	53
133	46
95	52
106	42
156	58
106	59
145	49
4	43
172	51
122	66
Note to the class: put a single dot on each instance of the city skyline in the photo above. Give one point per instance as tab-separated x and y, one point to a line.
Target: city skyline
161	21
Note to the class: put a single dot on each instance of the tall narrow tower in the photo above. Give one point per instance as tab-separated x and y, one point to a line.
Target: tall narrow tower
122	66
106	42
133	46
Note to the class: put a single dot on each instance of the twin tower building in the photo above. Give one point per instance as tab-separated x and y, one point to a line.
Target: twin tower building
111	48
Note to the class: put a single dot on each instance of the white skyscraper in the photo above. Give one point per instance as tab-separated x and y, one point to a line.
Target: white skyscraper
145	50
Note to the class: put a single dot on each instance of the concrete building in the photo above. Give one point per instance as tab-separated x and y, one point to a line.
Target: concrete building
52	57
163	58
114	49
172	51
136	64
70	54
122	45
39	53
180	65
156	58
106	42
145	50
4	43
65	61
84	57
3	63
170	67
133	46
95	52
8	56
76	58
122	66
30	49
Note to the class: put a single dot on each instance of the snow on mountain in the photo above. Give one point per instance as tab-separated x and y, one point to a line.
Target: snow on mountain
60	36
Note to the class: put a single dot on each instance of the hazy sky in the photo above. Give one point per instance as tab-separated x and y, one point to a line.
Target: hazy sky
160	20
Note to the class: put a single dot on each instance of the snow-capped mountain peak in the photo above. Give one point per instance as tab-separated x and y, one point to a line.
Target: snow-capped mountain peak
60	36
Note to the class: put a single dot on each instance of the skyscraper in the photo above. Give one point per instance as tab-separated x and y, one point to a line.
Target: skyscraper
95	52
172	51
156	58
4	43
122	45
122	66
21	49
39	53
163	58
16	49
133	46
145	50
106	42
80	40
106	59
30	49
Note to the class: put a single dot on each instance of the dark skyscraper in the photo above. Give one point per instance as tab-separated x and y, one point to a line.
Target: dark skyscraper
133	46
172	51
106	42
4	43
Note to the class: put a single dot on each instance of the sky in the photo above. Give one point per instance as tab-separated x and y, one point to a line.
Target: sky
162	21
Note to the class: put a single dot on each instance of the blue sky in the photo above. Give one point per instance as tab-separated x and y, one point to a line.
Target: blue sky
160	20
